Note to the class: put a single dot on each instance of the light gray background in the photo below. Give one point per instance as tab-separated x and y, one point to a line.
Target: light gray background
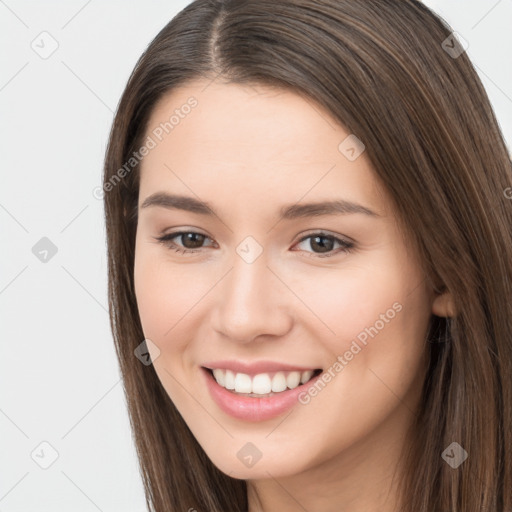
60	379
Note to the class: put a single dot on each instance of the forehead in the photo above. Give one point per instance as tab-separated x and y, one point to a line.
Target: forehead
221	139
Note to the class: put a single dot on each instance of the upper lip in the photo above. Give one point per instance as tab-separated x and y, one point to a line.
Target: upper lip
255	367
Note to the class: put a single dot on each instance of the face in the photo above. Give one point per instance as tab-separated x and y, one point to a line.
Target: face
267	247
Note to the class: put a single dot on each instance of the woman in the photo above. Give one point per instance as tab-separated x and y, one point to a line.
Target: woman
309	237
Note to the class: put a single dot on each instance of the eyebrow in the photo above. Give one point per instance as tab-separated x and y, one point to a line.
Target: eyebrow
288	212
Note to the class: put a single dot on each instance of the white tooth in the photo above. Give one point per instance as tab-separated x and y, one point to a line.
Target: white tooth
293	379
261	384
306	376
229	380
243	383
219	377
278	382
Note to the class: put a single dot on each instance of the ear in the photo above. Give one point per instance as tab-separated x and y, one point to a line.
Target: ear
443	305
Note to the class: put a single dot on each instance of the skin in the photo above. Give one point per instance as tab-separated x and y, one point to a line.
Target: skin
248	151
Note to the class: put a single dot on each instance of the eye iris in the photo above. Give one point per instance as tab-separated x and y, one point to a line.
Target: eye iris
196	238
322	246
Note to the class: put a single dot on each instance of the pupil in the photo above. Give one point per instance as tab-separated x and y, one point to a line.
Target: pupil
195	238
323	247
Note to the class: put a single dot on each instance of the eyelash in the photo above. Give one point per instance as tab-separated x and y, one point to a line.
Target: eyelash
346	247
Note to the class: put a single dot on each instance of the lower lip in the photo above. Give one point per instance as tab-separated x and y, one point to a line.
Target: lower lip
254	409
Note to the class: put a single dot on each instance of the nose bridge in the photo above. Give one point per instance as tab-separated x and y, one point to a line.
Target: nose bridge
247	305
246	283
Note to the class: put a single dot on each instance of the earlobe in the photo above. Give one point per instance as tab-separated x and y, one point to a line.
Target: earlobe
443	305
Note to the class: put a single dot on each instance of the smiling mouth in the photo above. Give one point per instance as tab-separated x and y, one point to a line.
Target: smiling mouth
262	385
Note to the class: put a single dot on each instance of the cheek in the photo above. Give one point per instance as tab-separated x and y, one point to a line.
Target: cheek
378	353
374	314
162	297
350	300
169	299
163	300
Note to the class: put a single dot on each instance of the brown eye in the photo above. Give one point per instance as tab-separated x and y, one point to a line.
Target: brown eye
192	240
324	245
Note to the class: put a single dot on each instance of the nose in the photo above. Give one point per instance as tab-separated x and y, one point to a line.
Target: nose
251	303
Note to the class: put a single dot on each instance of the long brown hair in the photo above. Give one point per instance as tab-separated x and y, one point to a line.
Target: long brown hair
387	71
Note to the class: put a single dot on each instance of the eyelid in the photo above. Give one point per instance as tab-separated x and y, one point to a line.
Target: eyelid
183	231
324	232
